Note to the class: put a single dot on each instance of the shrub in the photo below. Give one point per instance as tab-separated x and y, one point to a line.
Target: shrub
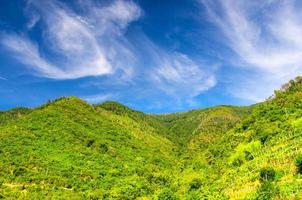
267	174
90	143
167	195
298	163
248	155
263	139
104	148
195	184
267	191
244	152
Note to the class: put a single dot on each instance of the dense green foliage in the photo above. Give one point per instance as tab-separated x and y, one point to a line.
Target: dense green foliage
68	149
10	115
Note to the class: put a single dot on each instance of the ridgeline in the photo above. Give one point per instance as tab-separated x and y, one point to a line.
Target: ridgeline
69	149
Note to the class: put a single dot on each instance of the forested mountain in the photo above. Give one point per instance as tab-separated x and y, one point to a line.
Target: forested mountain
69	149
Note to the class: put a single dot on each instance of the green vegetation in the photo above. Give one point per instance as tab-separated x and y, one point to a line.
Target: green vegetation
267	174
68	149
10	115
299	164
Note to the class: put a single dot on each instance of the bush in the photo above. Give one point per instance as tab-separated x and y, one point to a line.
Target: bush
298	163
195	184
244	152
103	148
248	155
267	191
90	143
167	195
263	139
267	174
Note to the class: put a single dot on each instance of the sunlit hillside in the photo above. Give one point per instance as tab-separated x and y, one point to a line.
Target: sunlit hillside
69	149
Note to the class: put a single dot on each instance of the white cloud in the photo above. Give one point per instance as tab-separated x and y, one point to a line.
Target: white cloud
34	19
267	38
99	98
178	75
83	45
174	73
113	19
161	76
91	41
27	52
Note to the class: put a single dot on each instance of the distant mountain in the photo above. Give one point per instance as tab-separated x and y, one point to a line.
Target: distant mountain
68	149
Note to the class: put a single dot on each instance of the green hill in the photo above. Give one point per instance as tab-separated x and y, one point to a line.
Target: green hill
68	149
260	157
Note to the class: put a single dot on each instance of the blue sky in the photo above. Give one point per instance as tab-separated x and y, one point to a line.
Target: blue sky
155	56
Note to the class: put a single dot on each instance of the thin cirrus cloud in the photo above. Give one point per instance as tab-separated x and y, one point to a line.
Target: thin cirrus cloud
160	76
27	52
178	72
2	78
265	36
178	75
80	47
98	98
92	42
165	75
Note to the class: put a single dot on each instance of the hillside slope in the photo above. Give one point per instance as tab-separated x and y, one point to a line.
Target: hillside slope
10	115
184	127
261	157
68	149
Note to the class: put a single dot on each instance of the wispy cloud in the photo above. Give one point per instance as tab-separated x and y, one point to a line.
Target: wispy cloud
34	18
176	74
2	78
98	98
91	40
162	76
83	45
27	52
265	35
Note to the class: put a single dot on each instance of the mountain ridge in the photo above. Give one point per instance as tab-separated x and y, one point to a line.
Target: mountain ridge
70	149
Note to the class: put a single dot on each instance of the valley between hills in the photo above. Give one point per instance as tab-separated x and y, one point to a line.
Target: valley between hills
69	149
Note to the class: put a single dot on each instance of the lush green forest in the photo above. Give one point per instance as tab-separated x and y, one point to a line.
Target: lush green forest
69	149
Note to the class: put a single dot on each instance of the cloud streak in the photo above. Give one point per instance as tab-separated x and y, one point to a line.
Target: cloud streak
80	48
160	77
27	52
2	78
266	38
89	39
98	98
178	75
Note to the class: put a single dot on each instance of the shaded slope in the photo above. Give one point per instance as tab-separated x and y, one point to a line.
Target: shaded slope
197	132
188	126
